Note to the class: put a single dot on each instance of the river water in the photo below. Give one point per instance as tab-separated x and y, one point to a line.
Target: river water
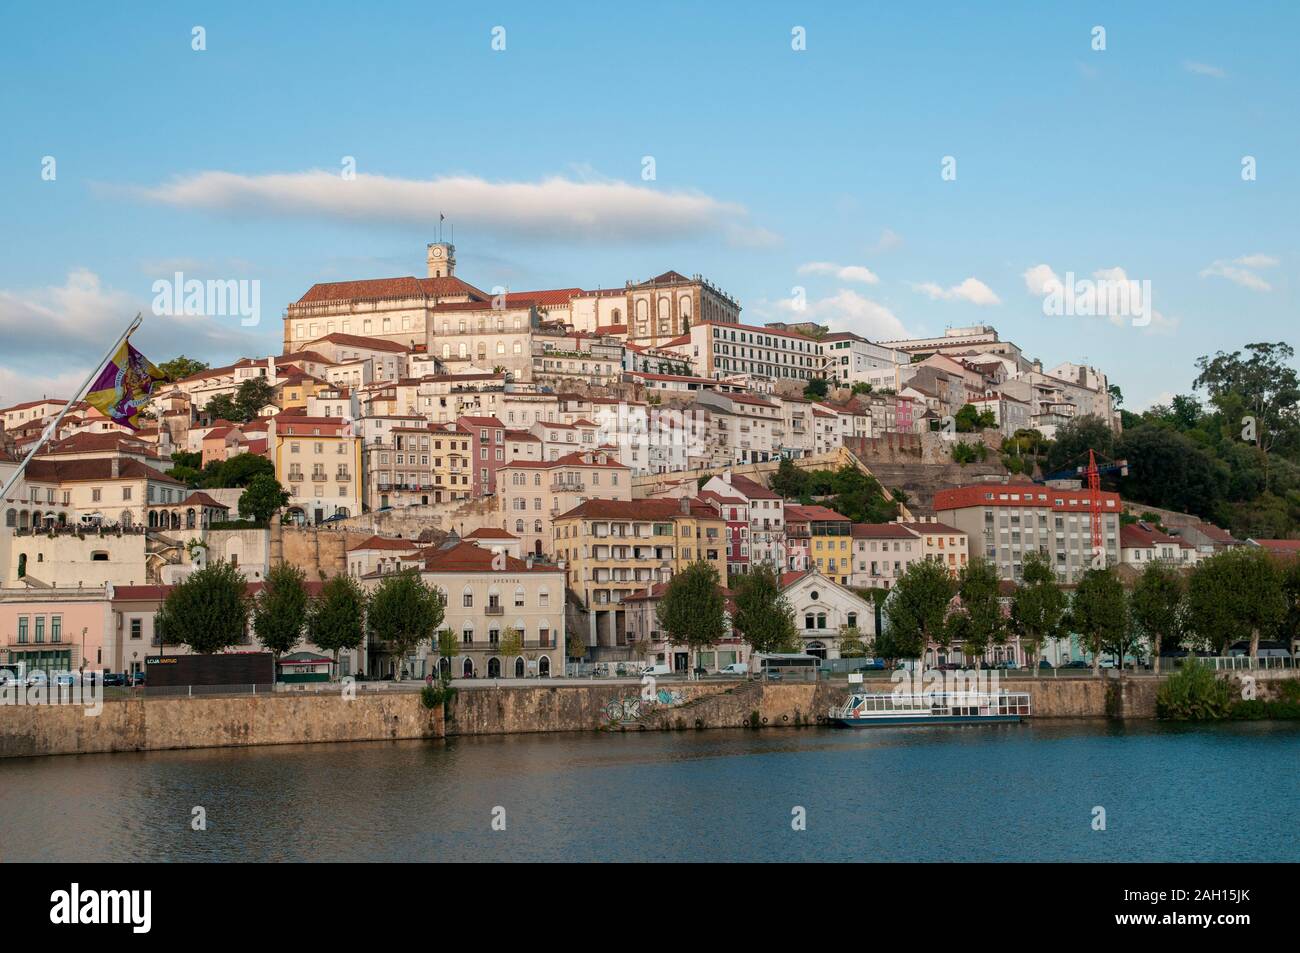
986	792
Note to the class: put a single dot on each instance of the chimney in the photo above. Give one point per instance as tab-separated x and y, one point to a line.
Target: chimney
529	561
686	505
726	475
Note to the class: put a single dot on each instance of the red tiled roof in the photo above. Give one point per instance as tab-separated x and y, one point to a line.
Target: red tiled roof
751	489
386	542
1026	495
645	509
805	514
199	498
881	531
349	340
42	470
490	532
568	460
466	557
543	298
480	421
1279	546
408	287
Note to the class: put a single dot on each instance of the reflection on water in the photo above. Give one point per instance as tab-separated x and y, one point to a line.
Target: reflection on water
989	792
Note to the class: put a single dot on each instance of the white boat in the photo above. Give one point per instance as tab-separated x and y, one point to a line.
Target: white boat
864	709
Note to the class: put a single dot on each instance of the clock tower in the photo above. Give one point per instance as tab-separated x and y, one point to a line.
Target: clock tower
442	259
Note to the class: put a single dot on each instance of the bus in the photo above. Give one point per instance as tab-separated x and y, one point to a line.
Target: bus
785	666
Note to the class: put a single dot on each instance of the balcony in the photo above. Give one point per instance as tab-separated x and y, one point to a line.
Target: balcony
494	610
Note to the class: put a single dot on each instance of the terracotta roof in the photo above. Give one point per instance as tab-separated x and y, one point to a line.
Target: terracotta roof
752	489
805	514
574	459
881	531
522	435
199	498
408	287
42	470
1026	494
349	340
386	542
467	557
490	532
1144	536
1279	546
645	509
545	298
932	528
33	403
790	578
481	421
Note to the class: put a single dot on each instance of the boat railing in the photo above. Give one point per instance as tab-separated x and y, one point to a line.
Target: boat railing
939	703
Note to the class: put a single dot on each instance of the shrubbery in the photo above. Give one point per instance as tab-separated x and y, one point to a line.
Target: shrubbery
1193	693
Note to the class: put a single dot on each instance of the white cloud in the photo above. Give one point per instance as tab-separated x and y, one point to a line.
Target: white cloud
846	310
1110	293
48	329
888	241
972	290
856	273
597	211
1204	69
1241	270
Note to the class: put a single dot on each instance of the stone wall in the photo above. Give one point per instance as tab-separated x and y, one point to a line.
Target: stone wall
155	724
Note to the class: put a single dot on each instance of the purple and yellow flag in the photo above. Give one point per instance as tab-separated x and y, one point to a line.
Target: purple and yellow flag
124	386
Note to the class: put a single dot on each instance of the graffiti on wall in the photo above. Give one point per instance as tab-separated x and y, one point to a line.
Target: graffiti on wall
631	708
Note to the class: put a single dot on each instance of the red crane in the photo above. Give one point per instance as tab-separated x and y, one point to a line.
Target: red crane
1092	473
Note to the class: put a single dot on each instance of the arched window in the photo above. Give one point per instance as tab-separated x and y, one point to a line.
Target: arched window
519	601
519	668
519	526
467	633
853	620
467	598
537	526
494	667
11	518
544	667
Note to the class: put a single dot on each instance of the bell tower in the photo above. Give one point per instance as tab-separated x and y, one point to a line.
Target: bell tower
442	259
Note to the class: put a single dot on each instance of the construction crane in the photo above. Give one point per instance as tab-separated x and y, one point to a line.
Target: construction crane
1092	473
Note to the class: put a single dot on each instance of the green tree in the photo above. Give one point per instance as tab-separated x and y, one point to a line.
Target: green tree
253	394
979	622
816	389
1264	383
1236	595
1099	614
336	618
403	613
181	367
509	648
1038	606
851	642
763	614
861	387
208	611
280	611
917	608
1157	608
576	647
263	498
448	647
221	407
789	482
691	610
238	471
1075	439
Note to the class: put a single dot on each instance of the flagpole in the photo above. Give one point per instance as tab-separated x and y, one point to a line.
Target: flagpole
54	425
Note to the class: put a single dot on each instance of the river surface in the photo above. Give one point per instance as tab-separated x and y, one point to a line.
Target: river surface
963	793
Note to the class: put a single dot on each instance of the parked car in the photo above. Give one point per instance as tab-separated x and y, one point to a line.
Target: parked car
875	663
66	678
1043	663
735	668
115	678
659	668
1077	663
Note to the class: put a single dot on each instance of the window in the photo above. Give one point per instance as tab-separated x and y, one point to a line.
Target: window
56	628
136	628
22	628
467	598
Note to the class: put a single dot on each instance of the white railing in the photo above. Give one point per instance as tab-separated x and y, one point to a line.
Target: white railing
1234	662
934	703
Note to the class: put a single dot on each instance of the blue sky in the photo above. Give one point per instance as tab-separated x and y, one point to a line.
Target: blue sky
774	168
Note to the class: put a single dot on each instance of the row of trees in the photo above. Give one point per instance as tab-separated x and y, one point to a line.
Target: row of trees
693	611
1239	595
211	610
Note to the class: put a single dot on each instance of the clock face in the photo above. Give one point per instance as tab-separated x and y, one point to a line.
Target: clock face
437	252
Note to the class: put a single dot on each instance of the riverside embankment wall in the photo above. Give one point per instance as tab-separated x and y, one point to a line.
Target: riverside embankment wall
161	723
154	724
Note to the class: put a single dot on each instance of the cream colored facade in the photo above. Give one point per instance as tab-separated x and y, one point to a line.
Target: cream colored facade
612	549
318	460
533	493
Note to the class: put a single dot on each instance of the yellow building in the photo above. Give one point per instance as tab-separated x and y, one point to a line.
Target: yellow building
612	548
318	460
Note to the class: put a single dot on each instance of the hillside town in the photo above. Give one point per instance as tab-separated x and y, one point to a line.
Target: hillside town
548	462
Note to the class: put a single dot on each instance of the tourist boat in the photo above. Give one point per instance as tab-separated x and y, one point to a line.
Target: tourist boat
863	709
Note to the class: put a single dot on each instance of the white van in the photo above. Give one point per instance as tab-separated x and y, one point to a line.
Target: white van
660	668
735	668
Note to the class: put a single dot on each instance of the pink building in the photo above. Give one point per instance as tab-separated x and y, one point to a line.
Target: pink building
488	449
53	630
